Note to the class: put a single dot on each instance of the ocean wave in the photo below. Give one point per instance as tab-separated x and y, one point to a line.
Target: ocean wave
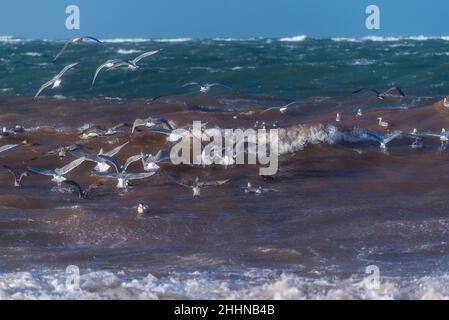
11	39
130	51
253	284
32	54
174	40
390	38
125	40
298	38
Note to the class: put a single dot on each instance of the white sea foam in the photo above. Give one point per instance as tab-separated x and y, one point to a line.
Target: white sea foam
298	38
32	54
130	51
174	40
125	40
253	284
390	38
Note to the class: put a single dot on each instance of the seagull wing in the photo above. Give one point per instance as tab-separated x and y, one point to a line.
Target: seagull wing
7	147
163	131
138	176
191	84
181	181
395	89
392	136
366	89
72	165
131	160
144	55
43	87
219	85
111	161
92	38
138	123
11	171
62	50
75	185
66	68
113	152
108	64
213	183
45	172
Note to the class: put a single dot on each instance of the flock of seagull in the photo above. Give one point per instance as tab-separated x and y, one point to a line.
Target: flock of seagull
105	160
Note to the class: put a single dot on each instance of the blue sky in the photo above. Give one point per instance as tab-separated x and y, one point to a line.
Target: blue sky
222	18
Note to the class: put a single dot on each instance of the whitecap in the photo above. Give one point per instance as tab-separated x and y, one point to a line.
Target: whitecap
298	38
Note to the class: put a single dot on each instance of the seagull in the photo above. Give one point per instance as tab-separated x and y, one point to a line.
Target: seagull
382	95
7	147
359	113
257	190
82	193
282	109
444	135
121	175
102	165
150	162
205	88
338	118
78	40
57	174
151	122
97	131
61	152
197	184
383	123
143	209
56	81
118	63
17	177
445	103
417	143
383	140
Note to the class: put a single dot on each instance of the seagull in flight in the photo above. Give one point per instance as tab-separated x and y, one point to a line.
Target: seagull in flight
59	173
102	165
121	175
151	123
56	81
197	184
17	177
383	140
282	109
78	40
205	88
382	95
82	193
118	63
150	162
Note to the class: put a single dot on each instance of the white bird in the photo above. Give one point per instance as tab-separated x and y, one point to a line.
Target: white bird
102	165
338	118
383	140
359	113
445	103
56	81
382	95
151	123
118	63
282	109
121	175
57	174
205	88
78	40
197	184
150	162
382	123
443	136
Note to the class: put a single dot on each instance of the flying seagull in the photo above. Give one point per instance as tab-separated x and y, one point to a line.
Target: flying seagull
118	63
56	81
57	174
197	184
17	177
102	165
204	88
78	40
151	122
97	131
121	175
382	95
150	162
282	109
383	140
